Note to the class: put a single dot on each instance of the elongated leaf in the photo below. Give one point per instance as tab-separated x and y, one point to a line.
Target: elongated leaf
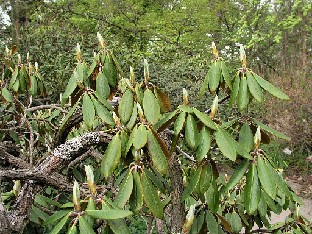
45	201
214	76
245	138
270	88
280	182
204	85
212	196
151	197
151	107
235	222
205	179
6	94
271	130
13	78
60	225
266	179
193	183
136	198
252	190
165	102
111	157
243	94
56	216
204	144
102	87
225	143
235	91
88	110
109	214
84	226
179	123
125	190
71	86
191	132
254	87
33	87
69	114
156	180
119	226
90	206
157	154
125	107
225	74
262	206
212	223
133	117
73	229
139	139
205	119
103	113
165	121
237	175
110	71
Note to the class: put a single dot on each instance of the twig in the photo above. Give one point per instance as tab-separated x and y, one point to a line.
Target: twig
191	158
51	106
80	158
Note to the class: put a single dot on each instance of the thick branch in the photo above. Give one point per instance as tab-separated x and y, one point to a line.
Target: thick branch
12	160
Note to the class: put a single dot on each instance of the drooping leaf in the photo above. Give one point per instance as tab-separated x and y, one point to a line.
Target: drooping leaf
151	197
205	179
84	226
133	117
271	130
156	179
212	223
33	87
136	198
119	226
125	190
109	214
191	132
235	222
204	85
56	216
205	119
73	229
110	71
237	175
90	206
103	113
270	88
157	154
6	94
139	139
71	86
111	157
165	121
88	110
266	179
243	94
151	107
179	123
192	184
225	74
254	87
245	138
235	91
69	114
214	75
212	196
252	190
125	106
60	225
204	144
13	78
226	144
102	87
165	102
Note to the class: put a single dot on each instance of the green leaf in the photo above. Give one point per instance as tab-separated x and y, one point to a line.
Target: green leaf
102	87
225	74
88	111
133	117
139	135
136	198
252	190
280	182
125	106
151	107
266	179
205	178
226	144
60	225
109	214
157	154
204	86
214	76
243	94
110	71
204	144
151	197
84	226
165	121
212	223
90	206
45	201
245	138
270	88
235	221
119	226
262	206
14	76
271	130
69	114
56	216
237	175
33	86
111	157
156	179
212	196
191	132
179	123
193	183
254	87
235	91
73	229
71	86
103	113
205	119
6	94
125	190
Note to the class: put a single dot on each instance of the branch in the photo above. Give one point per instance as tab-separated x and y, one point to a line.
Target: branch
12	160
51	106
